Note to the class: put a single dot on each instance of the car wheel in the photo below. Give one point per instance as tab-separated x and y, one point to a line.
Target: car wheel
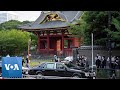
39	76
77	76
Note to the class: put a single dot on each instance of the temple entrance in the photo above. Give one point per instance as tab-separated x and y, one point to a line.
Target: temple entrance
52	31
43	44
55	43
68	44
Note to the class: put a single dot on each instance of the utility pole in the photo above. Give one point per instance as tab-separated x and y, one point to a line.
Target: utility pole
29	42
109	37
92	51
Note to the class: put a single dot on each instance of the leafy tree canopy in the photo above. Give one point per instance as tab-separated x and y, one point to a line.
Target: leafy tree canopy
13	41
97	22
12	24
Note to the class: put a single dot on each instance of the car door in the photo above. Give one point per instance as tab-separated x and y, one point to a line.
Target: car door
48	69
60	70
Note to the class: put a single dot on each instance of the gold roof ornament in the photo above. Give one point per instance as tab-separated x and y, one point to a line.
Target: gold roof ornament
52	17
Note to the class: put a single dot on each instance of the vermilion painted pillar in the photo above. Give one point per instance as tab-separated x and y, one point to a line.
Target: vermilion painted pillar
48	42
62	41
38	42
73	42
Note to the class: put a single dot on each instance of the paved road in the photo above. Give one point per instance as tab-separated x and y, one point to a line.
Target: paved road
47	77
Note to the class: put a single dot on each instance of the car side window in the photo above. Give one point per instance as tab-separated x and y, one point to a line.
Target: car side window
49	66
60	66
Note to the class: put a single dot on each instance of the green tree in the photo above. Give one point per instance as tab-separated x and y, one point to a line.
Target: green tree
13	41
96	22
25	22
12	24
78	30
116	33
34	40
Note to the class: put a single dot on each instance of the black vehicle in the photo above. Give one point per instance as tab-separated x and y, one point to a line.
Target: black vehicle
58	69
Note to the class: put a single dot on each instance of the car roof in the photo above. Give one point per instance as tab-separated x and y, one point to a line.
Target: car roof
54	62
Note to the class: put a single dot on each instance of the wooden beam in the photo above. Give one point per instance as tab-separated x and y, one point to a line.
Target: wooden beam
57	28
68	38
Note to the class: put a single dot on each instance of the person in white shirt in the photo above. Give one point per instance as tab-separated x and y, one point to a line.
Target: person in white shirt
8	55
55	58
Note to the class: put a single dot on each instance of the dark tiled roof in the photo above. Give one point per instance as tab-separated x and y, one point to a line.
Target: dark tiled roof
50	24
69	16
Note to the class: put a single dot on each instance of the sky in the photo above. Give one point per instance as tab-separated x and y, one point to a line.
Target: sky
27	15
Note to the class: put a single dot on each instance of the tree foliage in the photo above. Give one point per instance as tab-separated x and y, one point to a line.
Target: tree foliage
12	27
97	22
116	33
13	41
12	24
34	39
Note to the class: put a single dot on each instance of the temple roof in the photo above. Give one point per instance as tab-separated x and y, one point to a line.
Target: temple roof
53	19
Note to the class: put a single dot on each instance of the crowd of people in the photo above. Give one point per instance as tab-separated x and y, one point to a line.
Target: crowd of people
82	61
103	62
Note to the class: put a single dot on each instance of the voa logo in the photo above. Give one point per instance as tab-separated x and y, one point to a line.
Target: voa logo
13	67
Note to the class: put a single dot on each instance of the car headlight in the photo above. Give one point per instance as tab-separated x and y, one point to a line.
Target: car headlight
86	74
26	72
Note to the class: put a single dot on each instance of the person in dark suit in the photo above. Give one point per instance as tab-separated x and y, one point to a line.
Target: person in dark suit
103	62
27	62
98	61
23	60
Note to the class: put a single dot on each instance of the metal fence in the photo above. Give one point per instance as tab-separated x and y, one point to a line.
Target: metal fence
38	57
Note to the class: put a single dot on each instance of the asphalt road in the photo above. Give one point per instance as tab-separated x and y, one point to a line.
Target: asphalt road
47	77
